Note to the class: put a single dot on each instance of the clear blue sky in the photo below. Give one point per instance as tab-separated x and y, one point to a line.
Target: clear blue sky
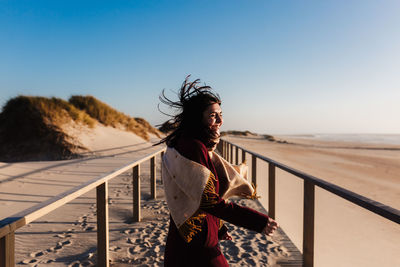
281	67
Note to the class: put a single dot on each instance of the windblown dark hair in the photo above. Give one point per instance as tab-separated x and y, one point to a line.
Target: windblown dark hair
193	100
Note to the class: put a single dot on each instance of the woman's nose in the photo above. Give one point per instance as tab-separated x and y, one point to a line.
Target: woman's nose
218	119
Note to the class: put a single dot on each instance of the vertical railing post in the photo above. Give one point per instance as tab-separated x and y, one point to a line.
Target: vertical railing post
254	170
153	177
102	225
219	147
225	150
221	144
161	159
231	153
243	156
271	190
7	250
136	193
308	224
237	156
228	152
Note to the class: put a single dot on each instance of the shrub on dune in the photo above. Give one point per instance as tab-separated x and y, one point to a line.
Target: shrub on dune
29	129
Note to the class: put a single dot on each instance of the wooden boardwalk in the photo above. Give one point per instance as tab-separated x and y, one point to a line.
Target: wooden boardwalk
295	258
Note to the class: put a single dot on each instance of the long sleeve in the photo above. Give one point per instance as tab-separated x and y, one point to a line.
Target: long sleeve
211	202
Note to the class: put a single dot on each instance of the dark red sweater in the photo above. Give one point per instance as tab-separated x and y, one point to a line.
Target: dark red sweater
204	249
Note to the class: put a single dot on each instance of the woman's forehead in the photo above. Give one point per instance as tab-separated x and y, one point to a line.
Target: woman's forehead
214	108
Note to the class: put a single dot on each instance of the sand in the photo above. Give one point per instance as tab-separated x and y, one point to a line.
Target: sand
67	235
345	234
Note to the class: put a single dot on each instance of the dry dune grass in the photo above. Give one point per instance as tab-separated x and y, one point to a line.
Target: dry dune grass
29	129
31	126
111	117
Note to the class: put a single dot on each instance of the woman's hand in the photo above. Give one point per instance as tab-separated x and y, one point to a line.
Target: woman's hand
271	226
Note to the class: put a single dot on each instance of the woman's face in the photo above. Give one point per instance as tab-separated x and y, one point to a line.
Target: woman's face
212	117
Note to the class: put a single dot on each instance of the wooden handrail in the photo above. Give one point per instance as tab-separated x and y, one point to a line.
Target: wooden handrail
9	225
310	182
376	207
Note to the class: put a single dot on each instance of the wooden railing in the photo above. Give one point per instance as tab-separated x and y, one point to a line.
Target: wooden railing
9	225
227	150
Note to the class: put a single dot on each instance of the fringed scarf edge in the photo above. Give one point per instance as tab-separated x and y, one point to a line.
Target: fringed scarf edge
193	225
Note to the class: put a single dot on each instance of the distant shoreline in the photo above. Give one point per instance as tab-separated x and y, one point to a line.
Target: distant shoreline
388	139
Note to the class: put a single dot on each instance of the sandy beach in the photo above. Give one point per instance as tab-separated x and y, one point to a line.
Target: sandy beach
67	235
345	234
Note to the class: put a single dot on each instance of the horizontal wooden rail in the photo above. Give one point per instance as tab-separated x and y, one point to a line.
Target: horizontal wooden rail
9	225
309	196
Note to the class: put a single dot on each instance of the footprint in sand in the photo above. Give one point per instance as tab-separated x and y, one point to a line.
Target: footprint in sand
134	250
83	222
39	254
60	245
131	241
31	261
75	264
36	254
89	228
115	248
64	235
81	264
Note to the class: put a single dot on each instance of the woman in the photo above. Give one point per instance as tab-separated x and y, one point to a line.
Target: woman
197	182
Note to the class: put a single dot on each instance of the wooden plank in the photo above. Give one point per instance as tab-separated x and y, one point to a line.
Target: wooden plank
153	178
162	156
254	170
308	224
136	193
102	225
237	156
7	250
11	224
271	190
294	258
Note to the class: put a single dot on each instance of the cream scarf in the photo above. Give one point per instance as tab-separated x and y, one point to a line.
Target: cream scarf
185	181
